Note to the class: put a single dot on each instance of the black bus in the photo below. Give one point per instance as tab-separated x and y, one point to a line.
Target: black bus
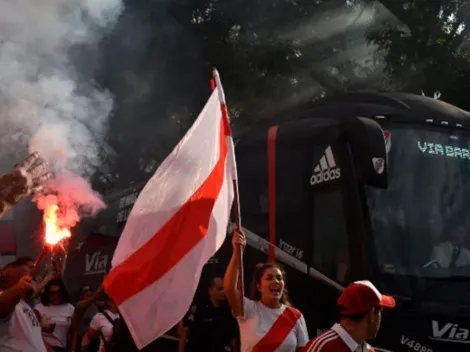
369	185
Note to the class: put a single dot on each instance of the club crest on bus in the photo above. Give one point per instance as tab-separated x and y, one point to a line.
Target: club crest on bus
379	165
388	141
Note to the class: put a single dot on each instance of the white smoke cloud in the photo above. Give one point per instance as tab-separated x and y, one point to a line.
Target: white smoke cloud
46	105
44	101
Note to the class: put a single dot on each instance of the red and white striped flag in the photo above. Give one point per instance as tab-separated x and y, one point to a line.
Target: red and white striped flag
177	224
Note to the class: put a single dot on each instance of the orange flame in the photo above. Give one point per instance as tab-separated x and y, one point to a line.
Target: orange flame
54	231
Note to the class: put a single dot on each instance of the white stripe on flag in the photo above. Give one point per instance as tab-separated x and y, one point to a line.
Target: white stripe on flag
176	179
176	225
162	305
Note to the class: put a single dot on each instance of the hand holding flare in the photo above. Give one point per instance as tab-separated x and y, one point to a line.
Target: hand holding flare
55	234
25	179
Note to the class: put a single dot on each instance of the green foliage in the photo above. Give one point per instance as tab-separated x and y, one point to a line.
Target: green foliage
425	45
272	55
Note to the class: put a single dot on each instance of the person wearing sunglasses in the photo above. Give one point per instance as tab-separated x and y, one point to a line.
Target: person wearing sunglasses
55	314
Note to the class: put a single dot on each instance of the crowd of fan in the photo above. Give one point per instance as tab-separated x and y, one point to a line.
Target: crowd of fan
39	316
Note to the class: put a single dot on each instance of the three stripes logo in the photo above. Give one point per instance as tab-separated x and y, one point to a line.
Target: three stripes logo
326	169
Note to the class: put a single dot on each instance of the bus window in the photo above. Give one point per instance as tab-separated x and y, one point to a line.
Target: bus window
426	204
330	240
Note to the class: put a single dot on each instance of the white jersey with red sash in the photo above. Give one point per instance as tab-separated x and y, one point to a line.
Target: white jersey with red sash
271	330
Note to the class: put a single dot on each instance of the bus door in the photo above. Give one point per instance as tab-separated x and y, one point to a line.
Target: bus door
275	169
300	206
332	241
338	224
312	163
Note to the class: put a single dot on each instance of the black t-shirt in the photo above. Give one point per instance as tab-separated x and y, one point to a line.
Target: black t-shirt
124	342
210	328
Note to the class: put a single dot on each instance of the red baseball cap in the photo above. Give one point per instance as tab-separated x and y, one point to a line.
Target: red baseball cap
360	297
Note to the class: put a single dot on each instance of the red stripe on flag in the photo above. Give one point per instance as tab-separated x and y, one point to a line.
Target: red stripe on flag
173	241
225	118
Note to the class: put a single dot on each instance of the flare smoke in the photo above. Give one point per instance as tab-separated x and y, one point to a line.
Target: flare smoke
46	104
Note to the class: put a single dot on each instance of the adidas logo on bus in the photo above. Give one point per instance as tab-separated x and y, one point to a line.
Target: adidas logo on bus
326	169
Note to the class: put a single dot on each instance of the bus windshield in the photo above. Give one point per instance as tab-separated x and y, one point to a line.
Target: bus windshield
421	223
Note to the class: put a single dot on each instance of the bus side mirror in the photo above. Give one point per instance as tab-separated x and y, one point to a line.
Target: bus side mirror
367	142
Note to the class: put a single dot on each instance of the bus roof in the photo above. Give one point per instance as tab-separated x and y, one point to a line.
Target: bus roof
404	107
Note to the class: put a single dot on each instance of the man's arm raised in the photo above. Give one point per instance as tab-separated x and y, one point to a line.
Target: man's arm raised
25	179
11	296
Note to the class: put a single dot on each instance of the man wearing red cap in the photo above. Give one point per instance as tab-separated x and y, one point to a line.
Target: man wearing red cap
360	306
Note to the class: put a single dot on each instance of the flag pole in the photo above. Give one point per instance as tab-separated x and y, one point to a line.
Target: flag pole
236	198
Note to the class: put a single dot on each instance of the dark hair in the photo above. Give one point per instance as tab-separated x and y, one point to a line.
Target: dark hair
80	290
354	317
18	263
24	260
105	300
260	269
45	297
357	316
213	280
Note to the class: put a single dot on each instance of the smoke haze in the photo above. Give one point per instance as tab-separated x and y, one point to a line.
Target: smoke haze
46	105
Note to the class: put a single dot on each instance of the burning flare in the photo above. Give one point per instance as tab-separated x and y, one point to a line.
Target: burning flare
63	201
54	231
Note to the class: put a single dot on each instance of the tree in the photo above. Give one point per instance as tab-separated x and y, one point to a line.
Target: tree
425	45
272	55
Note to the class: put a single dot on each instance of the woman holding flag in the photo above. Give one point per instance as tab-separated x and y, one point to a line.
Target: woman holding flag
267	321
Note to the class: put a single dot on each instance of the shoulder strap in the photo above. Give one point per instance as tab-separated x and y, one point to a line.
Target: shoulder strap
278	332
106	344
106	315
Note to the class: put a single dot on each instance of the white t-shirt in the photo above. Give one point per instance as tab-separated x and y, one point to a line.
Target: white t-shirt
443	252
102	324
61	315
21	332
259	320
